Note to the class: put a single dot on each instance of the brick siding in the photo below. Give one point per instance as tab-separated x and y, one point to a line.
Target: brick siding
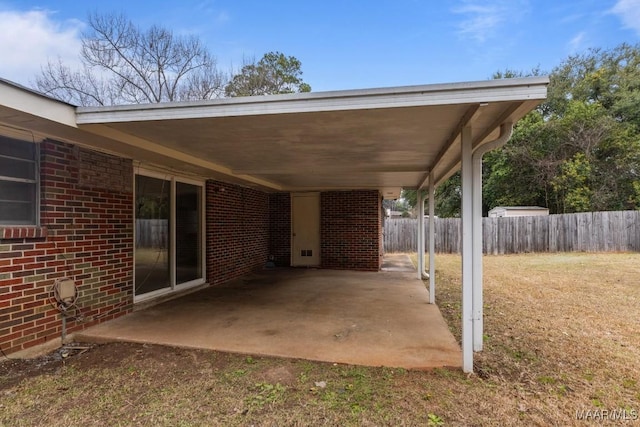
86	234
237	231
280	228
350	230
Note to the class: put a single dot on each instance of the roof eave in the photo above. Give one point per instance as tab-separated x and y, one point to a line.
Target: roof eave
530	88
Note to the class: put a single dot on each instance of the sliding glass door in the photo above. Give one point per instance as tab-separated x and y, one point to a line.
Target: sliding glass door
152	234
169	235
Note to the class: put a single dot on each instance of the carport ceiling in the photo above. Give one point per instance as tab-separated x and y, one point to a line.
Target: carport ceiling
378	138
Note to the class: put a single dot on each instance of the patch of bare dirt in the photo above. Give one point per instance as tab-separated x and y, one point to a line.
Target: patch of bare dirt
284	375
13	370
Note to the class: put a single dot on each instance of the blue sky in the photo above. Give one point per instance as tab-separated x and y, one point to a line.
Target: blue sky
342	44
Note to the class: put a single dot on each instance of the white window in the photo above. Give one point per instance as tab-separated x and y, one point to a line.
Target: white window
19	172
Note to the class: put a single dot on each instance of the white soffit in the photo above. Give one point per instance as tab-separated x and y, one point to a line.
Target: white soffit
376	138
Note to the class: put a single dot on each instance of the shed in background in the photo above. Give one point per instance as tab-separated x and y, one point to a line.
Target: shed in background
501	211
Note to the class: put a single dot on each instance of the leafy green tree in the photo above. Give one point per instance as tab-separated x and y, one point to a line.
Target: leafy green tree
275	73
572	184
512	74
410	197
608	77
448	197
518	174
580	151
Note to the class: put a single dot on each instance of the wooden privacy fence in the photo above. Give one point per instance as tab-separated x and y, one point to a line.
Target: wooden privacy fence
589	232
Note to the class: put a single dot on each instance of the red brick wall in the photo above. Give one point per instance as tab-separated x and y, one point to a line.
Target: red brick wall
86	234
237	231
280	228
350	230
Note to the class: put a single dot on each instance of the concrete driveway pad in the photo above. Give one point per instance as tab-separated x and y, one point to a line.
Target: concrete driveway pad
363	318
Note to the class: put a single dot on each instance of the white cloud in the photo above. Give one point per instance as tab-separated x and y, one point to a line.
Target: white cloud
223	17
482	19
577	42
629	12
210	8
28	39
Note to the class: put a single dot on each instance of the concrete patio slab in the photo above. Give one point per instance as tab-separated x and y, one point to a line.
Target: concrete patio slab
363	318
397	262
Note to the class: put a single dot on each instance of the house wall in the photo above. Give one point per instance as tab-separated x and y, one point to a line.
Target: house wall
86	234
351	230
280	228
237	231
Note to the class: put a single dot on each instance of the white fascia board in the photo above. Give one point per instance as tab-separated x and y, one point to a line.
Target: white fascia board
533	88
21	99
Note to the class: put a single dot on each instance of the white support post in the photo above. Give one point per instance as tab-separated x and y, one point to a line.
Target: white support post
420	231
478	322
432	241
467	250
478	333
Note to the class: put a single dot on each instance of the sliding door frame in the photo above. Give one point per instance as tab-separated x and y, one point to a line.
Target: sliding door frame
173	179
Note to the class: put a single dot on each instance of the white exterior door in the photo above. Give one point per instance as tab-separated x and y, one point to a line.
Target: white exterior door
305	229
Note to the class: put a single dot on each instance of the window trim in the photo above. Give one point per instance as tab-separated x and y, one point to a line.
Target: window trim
29	138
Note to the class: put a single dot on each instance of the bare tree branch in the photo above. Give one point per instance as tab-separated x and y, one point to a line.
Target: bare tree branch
123	64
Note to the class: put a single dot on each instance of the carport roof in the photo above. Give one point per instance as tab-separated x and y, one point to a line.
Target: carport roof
383	139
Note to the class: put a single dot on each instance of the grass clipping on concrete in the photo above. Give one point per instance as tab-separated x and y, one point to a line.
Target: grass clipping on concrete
562	340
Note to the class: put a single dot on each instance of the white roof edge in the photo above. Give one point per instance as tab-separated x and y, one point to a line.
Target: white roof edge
20	98
437	87
32	92
528	88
